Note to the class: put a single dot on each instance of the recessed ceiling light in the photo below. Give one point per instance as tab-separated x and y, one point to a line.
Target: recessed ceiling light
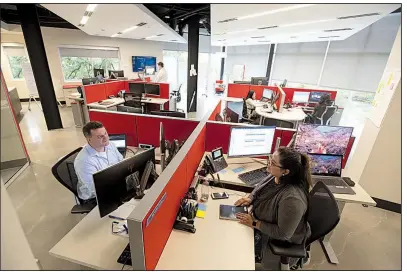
274	11
166	16
150	37
130	29
84	20
91	7
257	37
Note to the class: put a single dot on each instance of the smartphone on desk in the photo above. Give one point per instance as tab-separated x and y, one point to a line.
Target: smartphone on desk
223	195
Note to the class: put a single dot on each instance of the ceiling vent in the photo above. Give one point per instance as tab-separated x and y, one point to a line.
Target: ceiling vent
358	16
264	41
158	35
327	37
88	13
267	27
257	37
227	20
338	29
141	24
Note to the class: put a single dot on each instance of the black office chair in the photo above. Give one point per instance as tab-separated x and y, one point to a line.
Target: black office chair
123	108
323	216
64	172
177	94
327	115
245	117
218	117
79	89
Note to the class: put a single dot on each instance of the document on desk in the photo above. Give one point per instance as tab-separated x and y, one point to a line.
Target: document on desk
123	211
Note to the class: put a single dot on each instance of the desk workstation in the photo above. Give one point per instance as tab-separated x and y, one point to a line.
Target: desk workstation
152	238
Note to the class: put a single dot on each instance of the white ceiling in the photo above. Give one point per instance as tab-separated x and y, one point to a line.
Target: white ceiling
240	32
109	19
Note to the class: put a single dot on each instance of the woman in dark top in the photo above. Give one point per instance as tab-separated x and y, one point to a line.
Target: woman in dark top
280	203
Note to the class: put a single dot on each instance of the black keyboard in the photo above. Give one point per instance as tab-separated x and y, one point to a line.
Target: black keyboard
255	176
125	257
330	181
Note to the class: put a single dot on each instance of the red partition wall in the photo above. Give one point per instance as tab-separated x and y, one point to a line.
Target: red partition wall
117	123
95	92
174	128
215	111
238	90
348	150
258	89
112	88
289	93
157	232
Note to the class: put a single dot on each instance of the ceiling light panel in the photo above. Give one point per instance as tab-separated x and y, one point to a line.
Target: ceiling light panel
274	11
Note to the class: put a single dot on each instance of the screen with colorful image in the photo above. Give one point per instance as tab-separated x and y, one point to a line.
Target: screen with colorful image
322	139
329	165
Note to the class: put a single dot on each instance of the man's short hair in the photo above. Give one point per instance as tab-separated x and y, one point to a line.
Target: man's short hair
87	129
161	64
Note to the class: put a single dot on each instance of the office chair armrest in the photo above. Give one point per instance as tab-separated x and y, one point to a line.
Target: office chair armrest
294	251
84	208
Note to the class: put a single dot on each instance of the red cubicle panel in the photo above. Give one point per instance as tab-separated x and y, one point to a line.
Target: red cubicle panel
157	229
117	123
258	89
217	110
348	150
174	128
112	88
95	92
289	93
238	90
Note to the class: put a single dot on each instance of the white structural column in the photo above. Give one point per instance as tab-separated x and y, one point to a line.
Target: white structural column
323	63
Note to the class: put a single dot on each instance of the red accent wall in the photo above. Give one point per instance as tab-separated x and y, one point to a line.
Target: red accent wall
215	111
112	88
95	92
116	123
149	129
289	93
156	234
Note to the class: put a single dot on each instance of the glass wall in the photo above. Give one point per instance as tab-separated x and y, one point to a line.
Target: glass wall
13	156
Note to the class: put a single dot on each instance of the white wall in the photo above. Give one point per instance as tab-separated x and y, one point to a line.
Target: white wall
376	163
55	37
16	253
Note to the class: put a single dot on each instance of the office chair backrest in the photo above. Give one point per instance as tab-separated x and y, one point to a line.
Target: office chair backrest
323	213
244	110
132	100
124	108
64	171
218	117
79	89
328	113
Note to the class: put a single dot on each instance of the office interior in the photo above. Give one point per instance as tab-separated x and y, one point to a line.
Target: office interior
290	54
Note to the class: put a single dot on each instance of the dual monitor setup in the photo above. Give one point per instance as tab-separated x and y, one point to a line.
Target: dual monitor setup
141	89
325	146
308	97
99	76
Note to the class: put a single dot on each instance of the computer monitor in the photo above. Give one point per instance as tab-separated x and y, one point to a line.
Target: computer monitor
234	116
137	88
316	96
322	164
267	93
113	185
97	72
150	70
153	89
88	81
241	82
311	138
250	141
113	74
260	81
169	113
119	140
301	97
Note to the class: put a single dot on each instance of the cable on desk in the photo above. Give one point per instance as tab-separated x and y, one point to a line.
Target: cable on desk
131	151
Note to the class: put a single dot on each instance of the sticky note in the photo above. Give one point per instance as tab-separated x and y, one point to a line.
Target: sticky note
201	210
237	170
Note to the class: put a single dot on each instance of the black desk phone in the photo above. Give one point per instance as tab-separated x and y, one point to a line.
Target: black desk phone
216	162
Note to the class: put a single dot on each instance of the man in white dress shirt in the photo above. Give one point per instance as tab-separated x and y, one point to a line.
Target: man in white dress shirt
161	76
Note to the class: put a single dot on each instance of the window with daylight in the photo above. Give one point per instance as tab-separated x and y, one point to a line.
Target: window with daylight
78	63
16	57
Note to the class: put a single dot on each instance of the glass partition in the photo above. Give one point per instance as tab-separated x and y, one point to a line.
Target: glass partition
13	155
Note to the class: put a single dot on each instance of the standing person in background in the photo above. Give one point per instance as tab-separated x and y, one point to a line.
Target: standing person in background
161	76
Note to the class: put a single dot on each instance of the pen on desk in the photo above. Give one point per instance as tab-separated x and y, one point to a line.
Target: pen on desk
125	227
117	218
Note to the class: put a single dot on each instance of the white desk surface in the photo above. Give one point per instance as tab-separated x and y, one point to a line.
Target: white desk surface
91	243
248	164
117	101
216	245
294	114
75	96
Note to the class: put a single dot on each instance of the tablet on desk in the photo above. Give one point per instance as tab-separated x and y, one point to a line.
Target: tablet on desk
229	212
